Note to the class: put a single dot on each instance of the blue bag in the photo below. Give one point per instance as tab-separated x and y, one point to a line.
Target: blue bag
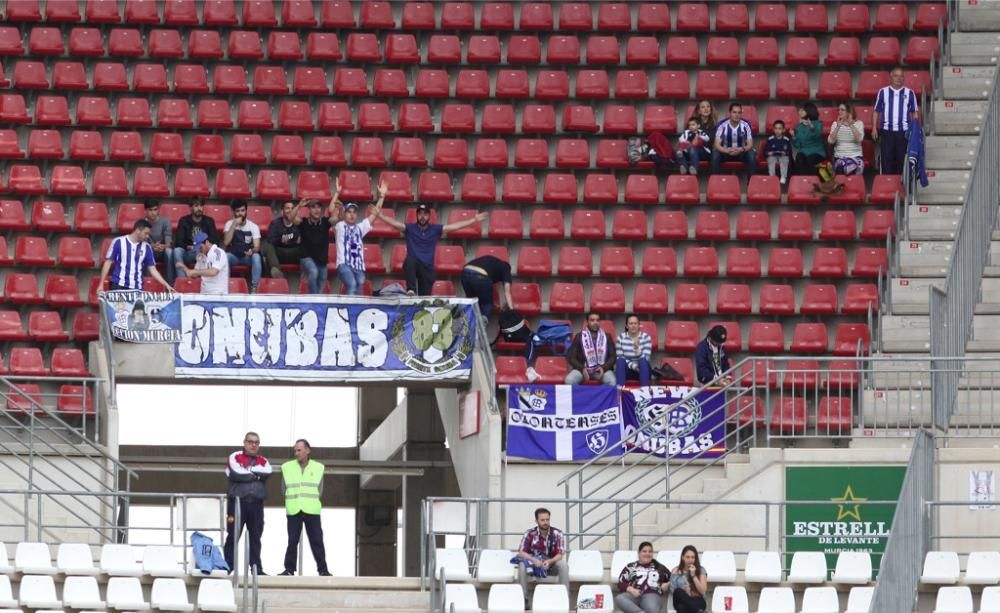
553	333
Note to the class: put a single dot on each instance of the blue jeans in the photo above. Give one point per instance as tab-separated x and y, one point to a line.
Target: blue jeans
253	261
188	256
315	276
352	278
481	288
623	372
167	257
692	156
748	158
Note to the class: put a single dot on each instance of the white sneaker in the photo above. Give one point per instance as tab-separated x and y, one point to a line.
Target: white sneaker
531	374
784	180
683	169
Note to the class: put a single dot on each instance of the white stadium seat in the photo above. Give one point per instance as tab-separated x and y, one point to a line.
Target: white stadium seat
126	593
7	600
853	567
776	600
720	565
455	564
495	566
5	567
989	602
34	559
820	600
462	596
953	599
76	559
859	600
38	592
170	594
808	567
161	561
586	599
940	567
762	567
216	595
120	560
622	558
82	593
550	599
586	566
505	599
983	568
738	594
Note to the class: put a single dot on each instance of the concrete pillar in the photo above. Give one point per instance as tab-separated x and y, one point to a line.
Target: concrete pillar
377	509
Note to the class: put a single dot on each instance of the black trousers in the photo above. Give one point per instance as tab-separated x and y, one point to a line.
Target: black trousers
419	276
805	165
314	530
684	603
251	516
892	147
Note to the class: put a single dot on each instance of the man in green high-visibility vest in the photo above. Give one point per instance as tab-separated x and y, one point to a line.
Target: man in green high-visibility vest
302	480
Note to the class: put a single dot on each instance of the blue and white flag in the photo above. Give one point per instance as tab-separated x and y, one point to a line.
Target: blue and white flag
143	317
693	428
563	423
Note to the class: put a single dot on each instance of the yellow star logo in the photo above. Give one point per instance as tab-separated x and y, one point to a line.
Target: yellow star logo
848	496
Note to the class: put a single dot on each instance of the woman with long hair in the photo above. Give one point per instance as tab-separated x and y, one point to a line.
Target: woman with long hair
634	350
704	114
846	135
807	138
641	583
689	582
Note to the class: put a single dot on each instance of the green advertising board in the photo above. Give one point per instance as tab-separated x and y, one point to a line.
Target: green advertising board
846	523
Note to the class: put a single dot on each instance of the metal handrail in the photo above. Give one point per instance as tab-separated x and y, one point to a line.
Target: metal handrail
483	345
106	342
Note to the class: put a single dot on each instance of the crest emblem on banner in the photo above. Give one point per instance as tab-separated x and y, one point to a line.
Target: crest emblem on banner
678	422
597	441
531	399
433	339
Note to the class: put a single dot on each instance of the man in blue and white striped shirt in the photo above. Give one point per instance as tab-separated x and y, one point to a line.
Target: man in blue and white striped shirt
734	141
895	108
128	258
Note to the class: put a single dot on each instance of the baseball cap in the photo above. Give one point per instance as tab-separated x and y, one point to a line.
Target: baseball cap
350	205
423	206
717	334
199	238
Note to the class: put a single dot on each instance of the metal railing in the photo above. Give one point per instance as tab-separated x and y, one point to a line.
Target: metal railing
106	343
485	351
909	540
952	309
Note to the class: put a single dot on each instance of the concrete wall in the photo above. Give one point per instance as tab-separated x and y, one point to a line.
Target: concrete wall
975	529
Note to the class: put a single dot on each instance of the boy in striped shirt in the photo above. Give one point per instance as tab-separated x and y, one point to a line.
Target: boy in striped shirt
128	258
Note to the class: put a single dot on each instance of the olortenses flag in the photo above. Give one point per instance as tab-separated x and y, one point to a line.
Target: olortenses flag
563	422
143	317
696	427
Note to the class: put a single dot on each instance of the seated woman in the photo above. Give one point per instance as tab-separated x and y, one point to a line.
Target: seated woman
689	582
642	583
846	135
807	138
634	350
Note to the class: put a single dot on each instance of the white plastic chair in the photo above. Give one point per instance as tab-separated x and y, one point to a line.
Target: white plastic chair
720	565
38	592
7	600
622	558
586	566
762	567
5	567
953	599
505	598
216	595
989	602
808	567
820	600
119	560
776	600
859	600
170	594
462	596
940	568
853	567
586	599
161	561
33	559
81	592
455	564
738	595
550	599
495	566
983	568
126	593
76	559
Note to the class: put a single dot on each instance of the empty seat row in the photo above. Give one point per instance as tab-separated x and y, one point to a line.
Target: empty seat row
45	327
27	361
572	16
39	592
77	559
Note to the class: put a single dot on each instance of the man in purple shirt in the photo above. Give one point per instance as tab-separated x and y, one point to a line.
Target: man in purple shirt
421	242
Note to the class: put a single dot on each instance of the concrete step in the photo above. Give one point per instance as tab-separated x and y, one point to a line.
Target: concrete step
925	258
975	48
915	374
978	16
906	333
910	296
951	152
967	82
912	408
342	594
944	187
933	221
959	116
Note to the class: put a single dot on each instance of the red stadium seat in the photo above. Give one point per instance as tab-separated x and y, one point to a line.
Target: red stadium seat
24	179
363	47
733	298
681	336
298	116
572	153
605	50
68	180
819	299
920	49
324	151
499	119
13	110
801	375
838	225
27	361
534	261
273	185
45	41
441	288
600	188
12	216
876	224
843	51
22	289
214	114
451	153
859	297
232	183
723	189
560	188
642	189
507	223
249	148
377	15
69	75
510	370
650	298
692	17
110	76
447	49
777	300
205	45
75	252
49	216
811	18
190	79
882	50
607	298
617	262
829	262
691	299
659	262
245	45
611	154
355	185
11	328
524	49
315	185
150	78
270	80
208	150
83	42
415	117
712	225
30	75
536	16
126	146
181	13
630	85
753	225
68	362
46	327
527	298
701	262
400	189
165	44
531	153
92	218
852	19
851	339
418	16
809	338
284	45
683	50
743	262
141	12
683	189
512	84
45	144
259	13
794	226
929	15
353	82
579	118
753	85
490	153
228	79
10	41
563	50
670	84
150	181
784	263
834	416
834	85
459	16
23	10
766	338
375	117
629	224
566	298
86	145
323	46
761	51
722	51
191	182
547	224
483	49
434	186
788	415
554	85
801	51
430	84
641	50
